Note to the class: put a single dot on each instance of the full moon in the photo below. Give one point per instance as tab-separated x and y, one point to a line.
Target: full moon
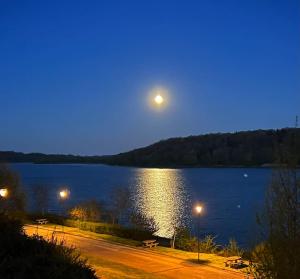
158	99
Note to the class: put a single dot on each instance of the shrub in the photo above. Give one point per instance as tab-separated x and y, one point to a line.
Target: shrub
208	244
142	222
33	257
263	264
87	211
41	198
232	249
279	254
184	241
119	203
111	229
78	213
14	203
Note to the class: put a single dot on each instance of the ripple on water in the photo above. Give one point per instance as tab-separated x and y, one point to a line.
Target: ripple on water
160	194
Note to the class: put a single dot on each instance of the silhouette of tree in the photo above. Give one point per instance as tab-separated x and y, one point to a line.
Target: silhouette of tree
40	195
14	202
279	255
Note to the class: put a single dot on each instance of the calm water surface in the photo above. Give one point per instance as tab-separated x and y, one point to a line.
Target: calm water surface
230	199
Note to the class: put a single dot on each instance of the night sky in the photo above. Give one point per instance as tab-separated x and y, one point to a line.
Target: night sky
75	76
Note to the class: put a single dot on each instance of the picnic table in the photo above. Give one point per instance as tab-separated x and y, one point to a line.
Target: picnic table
150	243
41	221
234	262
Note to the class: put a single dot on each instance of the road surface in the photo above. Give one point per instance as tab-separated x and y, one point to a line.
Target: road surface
156	264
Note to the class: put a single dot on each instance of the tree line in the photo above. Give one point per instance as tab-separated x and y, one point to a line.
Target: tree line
248	148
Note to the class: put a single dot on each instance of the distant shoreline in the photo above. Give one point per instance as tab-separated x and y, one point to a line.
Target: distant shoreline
265	166
246	149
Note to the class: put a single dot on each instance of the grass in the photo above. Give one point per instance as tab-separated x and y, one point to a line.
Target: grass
116	270
107	237
113	270
207	259
213	260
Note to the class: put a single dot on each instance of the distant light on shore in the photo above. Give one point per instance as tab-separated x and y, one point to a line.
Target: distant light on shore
198	209
64	194
3	193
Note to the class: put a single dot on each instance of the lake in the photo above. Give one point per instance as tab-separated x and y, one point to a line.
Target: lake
231	197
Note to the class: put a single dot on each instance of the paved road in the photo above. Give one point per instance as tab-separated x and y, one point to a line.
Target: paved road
151	262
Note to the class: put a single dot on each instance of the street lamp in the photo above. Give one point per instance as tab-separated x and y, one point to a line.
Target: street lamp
3	193
198	210
63	195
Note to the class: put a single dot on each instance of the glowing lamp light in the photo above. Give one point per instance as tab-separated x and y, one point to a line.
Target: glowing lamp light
3	193
198	209
64	194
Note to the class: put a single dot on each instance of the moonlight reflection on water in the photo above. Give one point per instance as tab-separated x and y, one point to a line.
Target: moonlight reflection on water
160	194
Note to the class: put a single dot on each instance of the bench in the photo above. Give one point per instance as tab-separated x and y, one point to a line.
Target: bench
234	262
41	221
150	243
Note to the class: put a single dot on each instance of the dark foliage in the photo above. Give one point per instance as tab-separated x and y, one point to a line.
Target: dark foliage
90	210
143	222
14	203
112	229
33	257
119	203
11	156
253	148
40	198
231	249
184	240
279	255
250	148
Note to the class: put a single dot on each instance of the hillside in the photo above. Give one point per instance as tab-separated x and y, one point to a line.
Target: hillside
40	158
249	148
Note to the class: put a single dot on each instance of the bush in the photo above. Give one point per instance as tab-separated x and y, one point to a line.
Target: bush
208	245
232	249
263	262
186	242
33	257
14	203
111	229
87	211
143	222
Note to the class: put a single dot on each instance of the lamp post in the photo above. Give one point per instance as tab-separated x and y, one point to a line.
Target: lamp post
3	193
63	195
198	209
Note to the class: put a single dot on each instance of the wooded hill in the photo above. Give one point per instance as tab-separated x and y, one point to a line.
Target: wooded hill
249	148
